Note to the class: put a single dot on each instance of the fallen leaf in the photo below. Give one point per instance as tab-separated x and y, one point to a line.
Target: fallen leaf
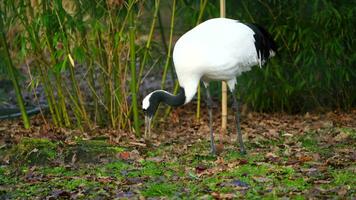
287	135
135	155
219	196
342	191
316	156
155	159
104	180
305	158
261	179
239	183
322	182
123	155
124	195
59	194
342	136
273	133
219	149
138	144
271	155
134	180
200	168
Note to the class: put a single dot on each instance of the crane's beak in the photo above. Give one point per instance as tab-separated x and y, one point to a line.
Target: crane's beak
148	126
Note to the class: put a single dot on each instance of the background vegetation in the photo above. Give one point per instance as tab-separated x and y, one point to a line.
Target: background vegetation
92	56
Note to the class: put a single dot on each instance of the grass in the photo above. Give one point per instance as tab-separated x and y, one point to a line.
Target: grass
160	189
163	172
344	177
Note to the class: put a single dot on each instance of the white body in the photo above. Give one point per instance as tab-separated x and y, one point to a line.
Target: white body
217	49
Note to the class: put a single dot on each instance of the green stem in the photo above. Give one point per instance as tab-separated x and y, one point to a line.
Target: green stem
201	12
62	105
35	43
13	77
78	96
168	60
133	68
148	44
161	31
47	85
103	75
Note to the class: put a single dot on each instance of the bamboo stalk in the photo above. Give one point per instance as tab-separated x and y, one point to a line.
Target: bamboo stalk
119	81
75	86
132	37
125	111
148	44
167	60
13	77
35	43
161	31
53	107
33	89
91	84
62	104
201	11
103	75
223	84
97	118
169	56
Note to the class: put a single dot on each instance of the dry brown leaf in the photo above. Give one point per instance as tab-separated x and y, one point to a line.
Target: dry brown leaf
155	159
343	191
261	179
123	155
305	158
273	133
322	182
342	136
219	196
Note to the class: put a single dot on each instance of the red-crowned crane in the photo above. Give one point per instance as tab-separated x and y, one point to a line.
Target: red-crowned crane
215	50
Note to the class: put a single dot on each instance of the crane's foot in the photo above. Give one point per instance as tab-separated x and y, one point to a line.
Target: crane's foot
243	152
242	148
213	150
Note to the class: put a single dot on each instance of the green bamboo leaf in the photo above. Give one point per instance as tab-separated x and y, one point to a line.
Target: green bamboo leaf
60	66
79	54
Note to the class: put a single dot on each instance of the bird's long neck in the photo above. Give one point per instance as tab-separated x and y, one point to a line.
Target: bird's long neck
173	100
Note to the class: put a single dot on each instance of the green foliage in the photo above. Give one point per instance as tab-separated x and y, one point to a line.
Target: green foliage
89	151
315	65
5	178
33	150
77	52
344	177
6	56
160	189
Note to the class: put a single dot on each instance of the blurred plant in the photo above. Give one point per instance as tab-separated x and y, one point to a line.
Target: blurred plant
315	68
79	53
91	56
5	55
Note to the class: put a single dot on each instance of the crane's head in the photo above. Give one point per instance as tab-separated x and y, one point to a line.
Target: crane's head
151	102
149	106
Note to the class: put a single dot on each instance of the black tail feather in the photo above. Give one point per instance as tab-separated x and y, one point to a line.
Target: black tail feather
263	41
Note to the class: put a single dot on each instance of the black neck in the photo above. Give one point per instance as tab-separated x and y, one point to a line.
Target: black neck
162	96
173	100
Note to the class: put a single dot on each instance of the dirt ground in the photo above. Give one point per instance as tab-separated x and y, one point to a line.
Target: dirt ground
309	156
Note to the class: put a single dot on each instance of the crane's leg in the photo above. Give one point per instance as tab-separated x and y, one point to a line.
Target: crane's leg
239	135
210	111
